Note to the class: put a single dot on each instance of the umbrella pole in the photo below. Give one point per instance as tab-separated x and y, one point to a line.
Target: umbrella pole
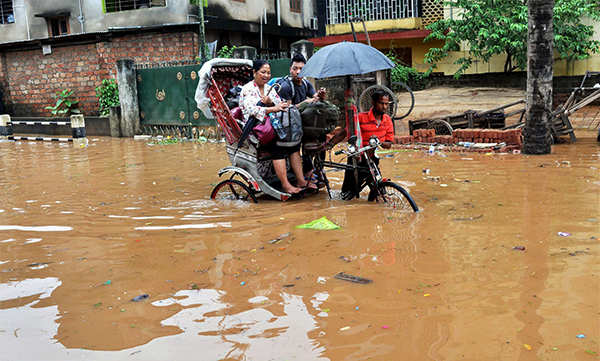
349	102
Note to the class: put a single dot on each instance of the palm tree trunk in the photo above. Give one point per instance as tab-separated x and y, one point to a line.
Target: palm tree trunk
537	139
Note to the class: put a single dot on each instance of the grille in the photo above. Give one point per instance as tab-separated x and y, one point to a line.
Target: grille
121	5
341	11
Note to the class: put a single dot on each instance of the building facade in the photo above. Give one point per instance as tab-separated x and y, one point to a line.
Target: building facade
399	26
396	26
47	46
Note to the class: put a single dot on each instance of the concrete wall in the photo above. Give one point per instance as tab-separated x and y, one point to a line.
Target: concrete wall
175	12
251	10
27	26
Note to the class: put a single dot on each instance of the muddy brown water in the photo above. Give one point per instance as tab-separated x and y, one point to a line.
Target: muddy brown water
83	231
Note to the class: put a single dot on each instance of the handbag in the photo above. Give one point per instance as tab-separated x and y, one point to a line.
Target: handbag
263	131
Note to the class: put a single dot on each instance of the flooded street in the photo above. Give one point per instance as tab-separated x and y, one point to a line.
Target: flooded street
500	264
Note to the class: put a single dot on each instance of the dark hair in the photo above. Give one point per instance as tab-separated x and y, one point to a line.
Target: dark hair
298	58
378	94
258	63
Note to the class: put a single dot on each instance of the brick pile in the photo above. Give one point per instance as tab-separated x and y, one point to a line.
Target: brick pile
424	137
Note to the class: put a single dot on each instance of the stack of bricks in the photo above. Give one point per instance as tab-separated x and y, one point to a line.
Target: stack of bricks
511	137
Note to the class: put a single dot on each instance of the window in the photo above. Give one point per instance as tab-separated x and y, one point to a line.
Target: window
112	6
296	5
58	25
7	15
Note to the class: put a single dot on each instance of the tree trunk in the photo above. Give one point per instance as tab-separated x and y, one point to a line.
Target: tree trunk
537	139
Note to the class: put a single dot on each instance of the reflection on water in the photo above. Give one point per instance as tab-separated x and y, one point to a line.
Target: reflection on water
27	332
83	231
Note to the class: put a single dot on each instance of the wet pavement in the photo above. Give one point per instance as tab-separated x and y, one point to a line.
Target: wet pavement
481	273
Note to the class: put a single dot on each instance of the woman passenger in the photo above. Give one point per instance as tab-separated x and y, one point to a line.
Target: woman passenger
256	91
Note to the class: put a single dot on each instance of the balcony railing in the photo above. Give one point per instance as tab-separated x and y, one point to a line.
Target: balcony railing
341	11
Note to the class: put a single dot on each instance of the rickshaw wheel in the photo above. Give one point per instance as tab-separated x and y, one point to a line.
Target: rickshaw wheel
233	189
394	196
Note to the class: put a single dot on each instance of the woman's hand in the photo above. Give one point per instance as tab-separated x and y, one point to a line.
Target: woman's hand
282	106
266	100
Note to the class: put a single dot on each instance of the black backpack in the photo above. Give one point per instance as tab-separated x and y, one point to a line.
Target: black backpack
288	127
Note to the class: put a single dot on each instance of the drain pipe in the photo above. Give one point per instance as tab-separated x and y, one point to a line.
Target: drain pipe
278	12
26	19
80	18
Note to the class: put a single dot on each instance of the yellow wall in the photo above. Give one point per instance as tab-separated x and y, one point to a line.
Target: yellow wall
376	25
496	64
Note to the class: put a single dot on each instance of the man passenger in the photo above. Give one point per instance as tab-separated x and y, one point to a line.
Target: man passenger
296	88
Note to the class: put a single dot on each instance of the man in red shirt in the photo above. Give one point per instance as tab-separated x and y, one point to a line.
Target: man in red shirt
377	123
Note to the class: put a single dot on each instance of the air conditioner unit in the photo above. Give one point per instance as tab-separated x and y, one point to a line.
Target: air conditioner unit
314	24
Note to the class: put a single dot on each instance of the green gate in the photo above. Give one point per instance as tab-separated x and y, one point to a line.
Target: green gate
166	98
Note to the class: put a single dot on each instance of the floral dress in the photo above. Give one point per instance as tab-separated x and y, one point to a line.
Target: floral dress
250	96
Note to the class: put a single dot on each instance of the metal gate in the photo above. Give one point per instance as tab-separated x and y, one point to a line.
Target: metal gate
166	98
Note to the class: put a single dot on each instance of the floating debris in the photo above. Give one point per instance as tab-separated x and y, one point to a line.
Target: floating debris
346	277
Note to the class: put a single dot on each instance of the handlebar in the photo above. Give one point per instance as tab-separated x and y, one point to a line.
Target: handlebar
358	152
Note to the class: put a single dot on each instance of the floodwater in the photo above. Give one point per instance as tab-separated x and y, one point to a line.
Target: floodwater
83	231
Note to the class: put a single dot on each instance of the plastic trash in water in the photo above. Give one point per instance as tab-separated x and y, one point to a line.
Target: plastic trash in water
564	234
431	149
581	335
140	298
320	224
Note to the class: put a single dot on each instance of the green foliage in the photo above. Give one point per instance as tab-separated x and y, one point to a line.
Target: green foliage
65	104
197	2
407	75
108	95
226	52
491	27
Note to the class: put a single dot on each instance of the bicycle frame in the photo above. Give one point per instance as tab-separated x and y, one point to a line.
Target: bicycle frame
372	168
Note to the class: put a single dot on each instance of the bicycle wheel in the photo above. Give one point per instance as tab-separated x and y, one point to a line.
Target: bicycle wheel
396	197
405	99
441	127
232	189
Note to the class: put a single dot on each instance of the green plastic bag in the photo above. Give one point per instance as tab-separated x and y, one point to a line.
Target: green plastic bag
322	224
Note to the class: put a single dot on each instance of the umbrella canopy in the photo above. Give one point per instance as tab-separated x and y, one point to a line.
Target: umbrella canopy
345	58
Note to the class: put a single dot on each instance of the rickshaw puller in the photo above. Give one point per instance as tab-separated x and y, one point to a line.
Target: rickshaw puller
377	123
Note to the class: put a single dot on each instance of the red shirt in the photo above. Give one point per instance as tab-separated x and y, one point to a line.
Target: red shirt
368	127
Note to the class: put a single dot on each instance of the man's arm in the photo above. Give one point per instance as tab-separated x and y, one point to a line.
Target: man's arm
388	139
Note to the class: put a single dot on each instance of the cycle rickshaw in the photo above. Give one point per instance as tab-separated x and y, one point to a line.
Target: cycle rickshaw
250	175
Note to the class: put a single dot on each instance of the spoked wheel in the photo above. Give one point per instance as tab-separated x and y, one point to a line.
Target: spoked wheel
394	196
441	127
233	189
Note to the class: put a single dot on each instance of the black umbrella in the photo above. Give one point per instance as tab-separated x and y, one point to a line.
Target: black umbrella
345	58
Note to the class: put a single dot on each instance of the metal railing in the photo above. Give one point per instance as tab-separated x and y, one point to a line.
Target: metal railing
7	15
341	11
121	5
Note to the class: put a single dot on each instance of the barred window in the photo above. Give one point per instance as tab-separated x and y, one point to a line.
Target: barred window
7	15
112	6
296	5
341	11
